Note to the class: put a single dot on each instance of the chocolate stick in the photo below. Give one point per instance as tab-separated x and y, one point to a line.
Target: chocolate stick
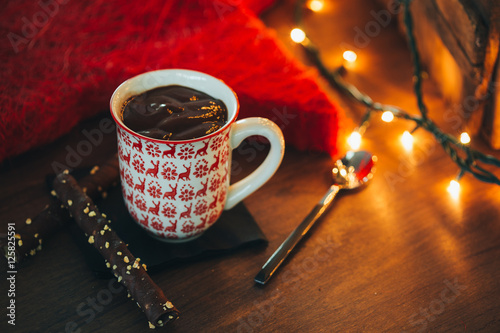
126	268
54	216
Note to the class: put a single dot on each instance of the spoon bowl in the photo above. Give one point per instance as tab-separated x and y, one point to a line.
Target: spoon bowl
354	169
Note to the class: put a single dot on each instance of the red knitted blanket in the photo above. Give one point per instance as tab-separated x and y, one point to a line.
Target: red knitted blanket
62	59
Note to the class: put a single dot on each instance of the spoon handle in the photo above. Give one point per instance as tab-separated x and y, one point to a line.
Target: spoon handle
294	238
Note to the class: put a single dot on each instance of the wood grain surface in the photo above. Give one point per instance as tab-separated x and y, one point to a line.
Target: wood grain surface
399	255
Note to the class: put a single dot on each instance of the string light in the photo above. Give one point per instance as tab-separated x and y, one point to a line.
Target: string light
343	172
465	138
354	140
387	116
454	189
316	5
466	158
298	35
350	56
407	140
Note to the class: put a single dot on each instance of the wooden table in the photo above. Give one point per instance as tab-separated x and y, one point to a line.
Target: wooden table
400	255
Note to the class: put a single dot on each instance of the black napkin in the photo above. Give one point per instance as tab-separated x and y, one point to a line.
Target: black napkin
235	229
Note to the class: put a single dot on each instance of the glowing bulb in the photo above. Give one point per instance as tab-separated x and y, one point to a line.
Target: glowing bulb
407	140
350	56
354	140
297	35
387	116
316	5
454	189
464	138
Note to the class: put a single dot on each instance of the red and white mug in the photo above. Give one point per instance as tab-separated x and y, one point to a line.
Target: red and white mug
177	189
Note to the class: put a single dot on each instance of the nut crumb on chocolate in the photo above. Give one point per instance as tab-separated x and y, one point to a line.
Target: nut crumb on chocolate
53	193
92	214
70	202
86	210
28	221
125	259
119	253
20	243
106	245
94	170
91	239
36	235
151	325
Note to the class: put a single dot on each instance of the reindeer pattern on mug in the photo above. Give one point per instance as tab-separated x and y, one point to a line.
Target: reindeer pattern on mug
174	190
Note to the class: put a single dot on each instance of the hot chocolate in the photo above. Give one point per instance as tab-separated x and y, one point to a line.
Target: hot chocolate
174	113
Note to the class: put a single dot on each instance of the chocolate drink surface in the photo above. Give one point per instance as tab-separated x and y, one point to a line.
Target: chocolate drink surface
174	113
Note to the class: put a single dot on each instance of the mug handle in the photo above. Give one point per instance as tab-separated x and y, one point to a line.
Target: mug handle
242	129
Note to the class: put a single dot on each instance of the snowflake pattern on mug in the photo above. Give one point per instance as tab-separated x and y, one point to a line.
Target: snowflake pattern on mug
201	168
128	179
186	152
186	193
174	190
141	204
138	163
169	171
201	207
153	150
154	189
169	210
